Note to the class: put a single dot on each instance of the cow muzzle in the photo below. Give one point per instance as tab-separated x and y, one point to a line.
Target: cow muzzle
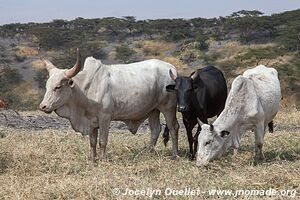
44	108
200	162
182	108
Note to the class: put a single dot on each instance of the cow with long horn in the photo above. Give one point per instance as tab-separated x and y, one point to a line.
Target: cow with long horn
98	94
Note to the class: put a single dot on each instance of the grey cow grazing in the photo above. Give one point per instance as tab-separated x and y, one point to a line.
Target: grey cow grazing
99	94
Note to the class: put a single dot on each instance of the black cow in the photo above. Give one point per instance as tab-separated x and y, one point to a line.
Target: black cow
203	95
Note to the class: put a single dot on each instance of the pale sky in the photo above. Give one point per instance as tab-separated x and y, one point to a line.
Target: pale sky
23	11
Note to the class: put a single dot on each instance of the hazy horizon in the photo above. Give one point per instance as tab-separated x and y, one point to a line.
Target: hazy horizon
39	11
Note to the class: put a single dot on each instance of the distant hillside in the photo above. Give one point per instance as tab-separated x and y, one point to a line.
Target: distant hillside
233	43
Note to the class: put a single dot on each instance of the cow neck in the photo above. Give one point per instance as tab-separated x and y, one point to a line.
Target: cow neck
81	111
83	103
229	117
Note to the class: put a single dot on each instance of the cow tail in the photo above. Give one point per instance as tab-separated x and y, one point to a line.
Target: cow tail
271	127
166	135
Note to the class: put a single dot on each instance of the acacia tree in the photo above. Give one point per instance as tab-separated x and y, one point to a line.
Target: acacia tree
246	21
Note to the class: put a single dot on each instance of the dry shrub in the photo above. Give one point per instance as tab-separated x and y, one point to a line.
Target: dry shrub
28	94
182	69
26	51
111	55
38	64
155	49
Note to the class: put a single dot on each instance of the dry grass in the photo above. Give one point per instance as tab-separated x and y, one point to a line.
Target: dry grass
182	69
234	49
53	164
154	49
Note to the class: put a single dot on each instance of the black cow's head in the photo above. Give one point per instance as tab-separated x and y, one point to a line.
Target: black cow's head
184	89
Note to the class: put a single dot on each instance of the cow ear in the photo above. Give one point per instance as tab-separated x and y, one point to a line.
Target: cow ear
173	77
170	88
224	133
71	83
195	87
211	127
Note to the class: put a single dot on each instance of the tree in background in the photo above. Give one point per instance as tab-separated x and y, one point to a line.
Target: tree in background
201	39
124	53
246	21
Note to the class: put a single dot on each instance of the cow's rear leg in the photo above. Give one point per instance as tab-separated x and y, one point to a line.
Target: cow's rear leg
171	120
103	136
93	144
155	128
259	141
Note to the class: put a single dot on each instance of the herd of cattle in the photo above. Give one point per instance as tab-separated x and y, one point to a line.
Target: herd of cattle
131	93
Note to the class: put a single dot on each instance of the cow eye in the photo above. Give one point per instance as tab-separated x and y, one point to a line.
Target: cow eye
57	87
207	143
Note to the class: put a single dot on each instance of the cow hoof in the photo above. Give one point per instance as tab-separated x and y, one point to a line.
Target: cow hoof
192	158
260	157
92	159
151	149
174	157
103	159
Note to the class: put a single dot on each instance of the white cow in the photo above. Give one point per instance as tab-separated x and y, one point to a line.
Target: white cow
252	103
100	93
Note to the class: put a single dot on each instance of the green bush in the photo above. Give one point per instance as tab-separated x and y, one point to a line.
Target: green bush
124	53
202	42
20	58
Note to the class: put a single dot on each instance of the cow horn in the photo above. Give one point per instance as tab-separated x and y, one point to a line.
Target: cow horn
173	77
76	68
199	122
48	64
194	75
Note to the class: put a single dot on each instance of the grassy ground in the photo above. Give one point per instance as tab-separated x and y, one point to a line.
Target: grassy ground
53	164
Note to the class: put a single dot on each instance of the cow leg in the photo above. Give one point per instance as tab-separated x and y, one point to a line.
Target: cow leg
196	141
235	152
103	136
93	144
271	126
259	141
189	127
155	128
166	135
171	120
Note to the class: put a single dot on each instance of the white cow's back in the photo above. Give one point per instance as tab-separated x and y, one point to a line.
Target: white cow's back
267	87
127	90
